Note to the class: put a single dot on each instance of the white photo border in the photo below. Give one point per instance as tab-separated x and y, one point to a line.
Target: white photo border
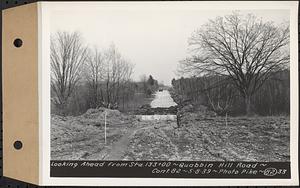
44	15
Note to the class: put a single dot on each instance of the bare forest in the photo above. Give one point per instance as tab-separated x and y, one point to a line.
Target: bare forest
230	100
84	77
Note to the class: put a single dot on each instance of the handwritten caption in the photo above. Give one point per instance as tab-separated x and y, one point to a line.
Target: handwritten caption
207	169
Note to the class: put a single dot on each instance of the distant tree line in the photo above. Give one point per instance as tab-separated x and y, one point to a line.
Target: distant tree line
221	95
149	85
83	78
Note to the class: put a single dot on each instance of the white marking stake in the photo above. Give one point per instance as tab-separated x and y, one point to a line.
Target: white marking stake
105	126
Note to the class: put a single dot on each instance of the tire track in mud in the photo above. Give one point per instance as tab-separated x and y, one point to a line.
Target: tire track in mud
172	144
166	142
217	155
119	148
152	143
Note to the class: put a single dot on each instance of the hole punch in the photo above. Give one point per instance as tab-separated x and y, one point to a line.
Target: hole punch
18	43
18	145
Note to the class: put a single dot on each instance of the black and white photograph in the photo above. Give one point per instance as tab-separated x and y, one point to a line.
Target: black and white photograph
170	84
193	92
151	93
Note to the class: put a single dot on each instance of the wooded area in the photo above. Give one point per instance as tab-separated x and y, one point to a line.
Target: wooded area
220	94
84	78
239	57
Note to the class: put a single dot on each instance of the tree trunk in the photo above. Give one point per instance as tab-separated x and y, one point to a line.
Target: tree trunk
107	94
248	105
62	108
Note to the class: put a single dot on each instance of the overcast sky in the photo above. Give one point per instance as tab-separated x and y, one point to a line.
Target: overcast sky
154	40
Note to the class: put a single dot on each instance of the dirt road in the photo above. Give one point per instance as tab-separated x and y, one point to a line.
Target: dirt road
120	149
116	150
162	99
203	139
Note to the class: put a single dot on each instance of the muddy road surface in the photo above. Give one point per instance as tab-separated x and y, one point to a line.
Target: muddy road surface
162	99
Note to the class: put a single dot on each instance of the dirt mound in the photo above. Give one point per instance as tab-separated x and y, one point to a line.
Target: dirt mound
147	110
93	117
68	137
75	137
97	117
100	112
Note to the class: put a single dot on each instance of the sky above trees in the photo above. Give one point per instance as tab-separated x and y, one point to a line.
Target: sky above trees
154	38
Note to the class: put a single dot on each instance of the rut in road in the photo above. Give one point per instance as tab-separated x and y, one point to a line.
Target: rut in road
118	148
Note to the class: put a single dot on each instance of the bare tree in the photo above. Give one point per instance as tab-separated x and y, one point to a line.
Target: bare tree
113	56
117	72
68	54
243	48
220	94
143	80
94	74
